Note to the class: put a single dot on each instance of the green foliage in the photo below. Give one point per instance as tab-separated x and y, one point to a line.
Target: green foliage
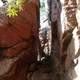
11	11
14	6
42	5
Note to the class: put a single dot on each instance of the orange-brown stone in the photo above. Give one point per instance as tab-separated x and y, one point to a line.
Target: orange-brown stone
17	33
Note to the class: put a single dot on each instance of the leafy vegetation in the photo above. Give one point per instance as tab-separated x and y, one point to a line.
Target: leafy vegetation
14	6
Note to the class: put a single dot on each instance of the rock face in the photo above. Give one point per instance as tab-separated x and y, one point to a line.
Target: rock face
17	40
71	28
17	31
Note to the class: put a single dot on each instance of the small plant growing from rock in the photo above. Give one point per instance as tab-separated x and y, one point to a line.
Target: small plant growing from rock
11	7
14	6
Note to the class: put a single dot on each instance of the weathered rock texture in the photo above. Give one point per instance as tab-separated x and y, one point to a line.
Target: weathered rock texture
18	42
70	39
